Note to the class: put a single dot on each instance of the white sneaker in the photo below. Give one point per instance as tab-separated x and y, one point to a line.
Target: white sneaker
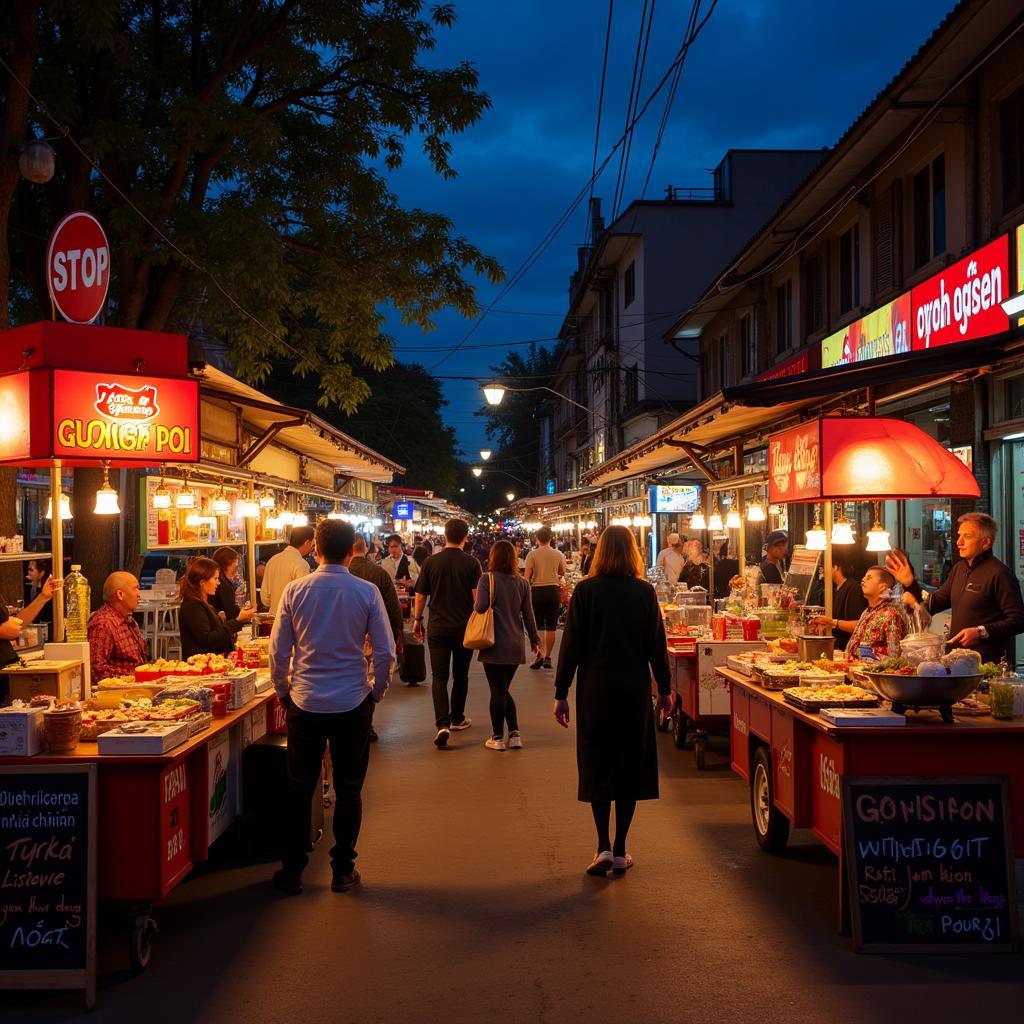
601	864
495	743
464	724
515	741
441	739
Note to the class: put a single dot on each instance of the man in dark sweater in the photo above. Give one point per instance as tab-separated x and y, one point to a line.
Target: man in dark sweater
983	593
362	567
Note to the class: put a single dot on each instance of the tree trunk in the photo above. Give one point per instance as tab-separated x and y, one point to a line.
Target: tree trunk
93	546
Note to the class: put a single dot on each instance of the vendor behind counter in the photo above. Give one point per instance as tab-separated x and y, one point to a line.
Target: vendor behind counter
116	644
12	625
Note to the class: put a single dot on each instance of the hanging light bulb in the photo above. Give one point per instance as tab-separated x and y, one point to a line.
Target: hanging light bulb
161	496
267	500
300	519
715	521
842	530
65	507
878	536
106	496
755	510
697	520
220	504
248	509
816	534
732	518
185	498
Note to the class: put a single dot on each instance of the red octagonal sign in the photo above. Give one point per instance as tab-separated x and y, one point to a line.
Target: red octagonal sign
78	267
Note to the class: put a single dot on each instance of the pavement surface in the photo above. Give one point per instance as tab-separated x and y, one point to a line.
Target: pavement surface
475	906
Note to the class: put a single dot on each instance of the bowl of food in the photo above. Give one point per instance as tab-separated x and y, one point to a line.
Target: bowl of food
932	683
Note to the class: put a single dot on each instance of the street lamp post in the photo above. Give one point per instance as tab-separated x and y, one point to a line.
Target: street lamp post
494	392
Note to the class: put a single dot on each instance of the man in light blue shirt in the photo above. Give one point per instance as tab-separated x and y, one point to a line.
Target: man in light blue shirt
322	624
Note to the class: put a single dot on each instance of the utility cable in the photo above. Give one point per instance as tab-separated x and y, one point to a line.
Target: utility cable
600	106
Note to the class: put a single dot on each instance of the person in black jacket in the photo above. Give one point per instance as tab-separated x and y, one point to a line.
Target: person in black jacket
225	600
202	629
848	602
614	639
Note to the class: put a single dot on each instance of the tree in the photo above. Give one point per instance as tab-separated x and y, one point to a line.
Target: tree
237	152
513	424
242	148
401	420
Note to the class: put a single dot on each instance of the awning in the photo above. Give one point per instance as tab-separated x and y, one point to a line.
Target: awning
544	503
299	430
707	426
863	458
939	362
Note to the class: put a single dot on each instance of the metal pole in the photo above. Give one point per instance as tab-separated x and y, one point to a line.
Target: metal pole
57	549
828	559
250	561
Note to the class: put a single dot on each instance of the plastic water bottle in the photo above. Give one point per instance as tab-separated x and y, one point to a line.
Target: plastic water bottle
76	607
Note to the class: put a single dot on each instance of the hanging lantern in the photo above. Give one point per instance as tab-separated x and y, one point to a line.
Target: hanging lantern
185	498
878	536
755	509
65	507
248	509
220	504
267	500
106	496
36	161
715	521
161	496
697	521
300	519
842	530
816	534
732	519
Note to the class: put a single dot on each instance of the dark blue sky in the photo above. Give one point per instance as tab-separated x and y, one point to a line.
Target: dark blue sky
788	73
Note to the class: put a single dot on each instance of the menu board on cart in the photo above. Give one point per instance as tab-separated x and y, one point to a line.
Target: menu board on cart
48	877
929	862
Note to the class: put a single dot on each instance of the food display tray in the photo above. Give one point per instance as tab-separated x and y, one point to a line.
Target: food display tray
810	705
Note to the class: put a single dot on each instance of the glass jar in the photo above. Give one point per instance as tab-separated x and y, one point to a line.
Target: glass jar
1001	697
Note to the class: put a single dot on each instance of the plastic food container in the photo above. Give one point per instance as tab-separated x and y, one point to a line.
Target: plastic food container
918	647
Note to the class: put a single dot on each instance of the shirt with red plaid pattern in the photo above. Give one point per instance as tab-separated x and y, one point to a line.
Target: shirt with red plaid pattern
116	645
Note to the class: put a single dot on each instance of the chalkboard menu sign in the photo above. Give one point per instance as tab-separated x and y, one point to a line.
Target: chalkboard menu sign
48	877
929	862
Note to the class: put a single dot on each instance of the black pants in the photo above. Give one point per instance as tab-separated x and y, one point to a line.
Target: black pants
348	733
503	707
447	652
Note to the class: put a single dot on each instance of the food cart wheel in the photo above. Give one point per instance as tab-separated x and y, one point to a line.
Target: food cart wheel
771	826
681	729
700	751
140	941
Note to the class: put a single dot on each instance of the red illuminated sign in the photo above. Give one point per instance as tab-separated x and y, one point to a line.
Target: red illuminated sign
78	267
794	464
792	367
14	417
126	419
963	302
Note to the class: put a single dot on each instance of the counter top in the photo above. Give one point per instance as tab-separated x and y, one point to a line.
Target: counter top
925	723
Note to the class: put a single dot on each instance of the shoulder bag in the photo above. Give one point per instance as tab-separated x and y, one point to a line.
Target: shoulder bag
480	628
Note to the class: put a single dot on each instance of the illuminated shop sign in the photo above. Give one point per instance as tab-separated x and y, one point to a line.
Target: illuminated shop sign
884	332
402	510
105	416
671	499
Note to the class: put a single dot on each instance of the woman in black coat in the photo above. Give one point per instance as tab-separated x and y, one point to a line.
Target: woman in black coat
614	639
202	629
225	600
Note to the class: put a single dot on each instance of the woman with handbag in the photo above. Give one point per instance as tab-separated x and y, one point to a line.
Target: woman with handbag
503	596
614	640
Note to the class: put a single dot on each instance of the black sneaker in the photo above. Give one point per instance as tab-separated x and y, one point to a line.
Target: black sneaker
547	663
287	882
539	663
344	882
441	739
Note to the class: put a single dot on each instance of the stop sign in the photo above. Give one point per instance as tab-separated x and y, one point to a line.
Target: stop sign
78	267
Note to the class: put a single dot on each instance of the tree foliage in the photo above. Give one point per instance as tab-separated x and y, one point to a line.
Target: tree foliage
401	420
513	424
242	153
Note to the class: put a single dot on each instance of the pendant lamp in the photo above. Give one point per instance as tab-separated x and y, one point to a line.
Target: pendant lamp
220	504
732	517
161	496
715	521
842	530
697	520
185	498
65	507
755	510
106	496
878	536
816	534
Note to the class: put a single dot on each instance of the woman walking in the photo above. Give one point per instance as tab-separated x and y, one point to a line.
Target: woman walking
508	595
614	639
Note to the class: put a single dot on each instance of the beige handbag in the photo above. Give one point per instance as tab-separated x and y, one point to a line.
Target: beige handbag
480	628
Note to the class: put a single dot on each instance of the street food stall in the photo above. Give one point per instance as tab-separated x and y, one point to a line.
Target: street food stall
806	736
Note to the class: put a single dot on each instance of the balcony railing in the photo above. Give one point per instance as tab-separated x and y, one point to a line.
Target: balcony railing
693	195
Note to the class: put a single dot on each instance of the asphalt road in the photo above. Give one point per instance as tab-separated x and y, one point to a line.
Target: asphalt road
475	907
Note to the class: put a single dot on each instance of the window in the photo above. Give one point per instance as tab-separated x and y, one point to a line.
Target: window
814	294
632	387
930	212
886	234
723	361
711	367
748	351
849	270
1011	131
784	317
629	285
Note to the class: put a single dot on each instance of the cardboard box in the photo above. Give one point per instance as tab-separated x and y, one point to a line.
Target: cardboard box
77	651
152	738
21	731
60	679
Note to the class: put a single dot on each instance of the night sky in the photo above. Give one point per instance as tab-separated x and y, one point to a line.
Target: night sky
789	73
